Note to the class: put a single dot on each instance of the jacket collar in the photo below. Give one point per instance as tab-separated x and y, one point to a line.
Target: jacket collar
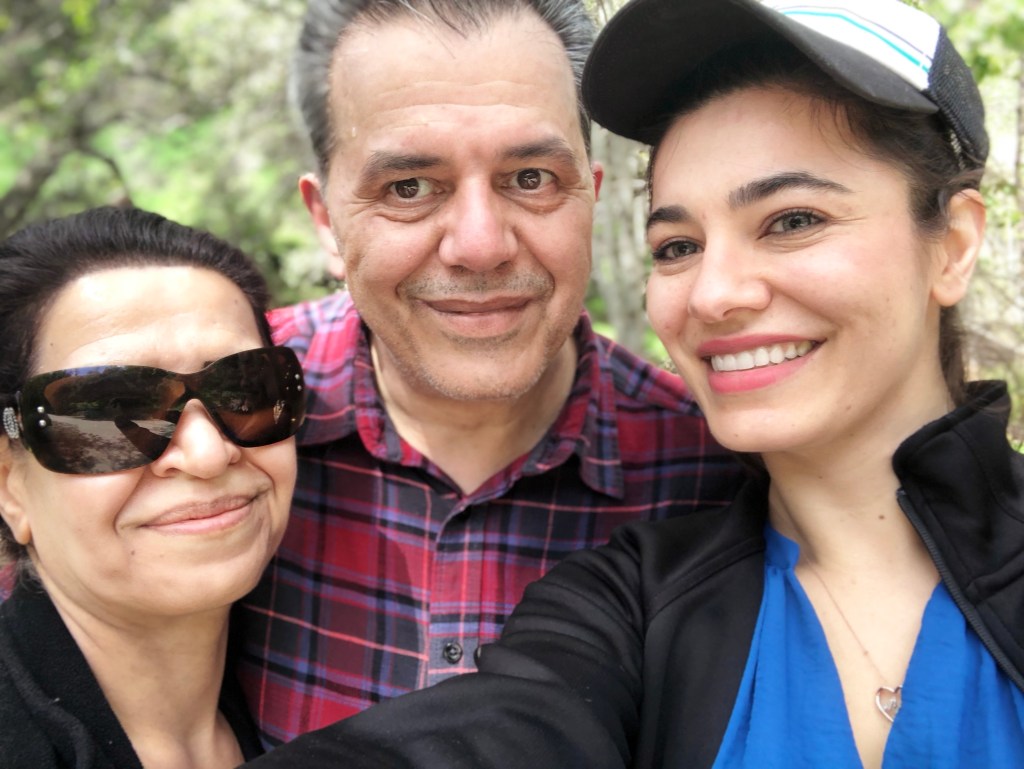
56	683
962	486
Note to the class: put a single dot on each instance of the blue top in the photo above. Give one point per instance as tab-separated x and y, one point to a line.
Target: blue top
959	709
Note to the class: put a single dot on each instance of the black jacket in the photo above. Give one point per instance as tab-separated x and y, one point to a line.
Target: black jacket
53	713
632	654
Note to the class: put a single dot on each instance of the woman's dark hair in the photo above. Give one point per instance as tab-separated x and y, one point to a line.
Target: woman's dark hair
39	261
919	145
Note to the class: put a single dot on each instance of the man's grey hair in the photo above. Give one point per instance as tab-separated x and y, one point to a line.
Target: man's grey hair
327	20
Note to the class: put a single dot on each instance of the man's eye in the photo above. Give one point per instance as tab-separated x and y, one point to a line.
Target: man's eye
532	178
412	189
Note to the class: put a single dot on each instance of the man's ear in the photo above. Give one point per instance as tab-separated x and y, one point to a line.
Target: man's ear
959	247
598	171
312	195
12	489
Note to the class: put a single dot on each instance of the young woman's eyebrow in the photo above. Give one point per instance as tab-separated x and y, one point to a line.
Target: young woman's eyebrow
759	189
752	192
668	215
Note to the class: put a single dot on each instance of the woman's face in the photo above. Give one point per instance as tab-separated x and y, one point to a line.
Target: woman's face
790	285
193	530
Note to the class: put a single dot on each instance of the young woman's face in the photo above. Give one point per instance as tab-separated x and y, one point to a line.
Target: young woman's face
790	285
193	530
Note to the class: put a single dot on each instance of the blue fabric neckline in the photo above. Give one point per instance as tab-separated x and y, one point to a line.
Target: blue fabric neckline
958	710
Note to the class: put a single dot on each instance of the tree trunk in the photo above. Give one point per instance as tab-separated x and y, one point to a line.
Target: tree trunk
620	261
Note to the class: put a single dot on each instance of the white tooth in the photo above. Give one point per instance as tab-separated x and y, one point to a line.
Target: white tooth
761	356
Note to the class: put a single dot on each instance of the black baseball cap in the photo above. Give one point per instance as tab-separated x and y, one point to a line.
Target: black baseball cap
883	50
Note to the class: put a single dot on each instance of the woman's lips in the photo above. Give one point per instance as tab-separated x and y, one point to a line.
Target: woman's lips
203	516
751	363
759	357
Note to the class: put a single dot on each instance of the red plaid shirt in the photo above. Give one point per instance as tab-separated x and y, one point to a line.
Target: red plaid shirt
389	577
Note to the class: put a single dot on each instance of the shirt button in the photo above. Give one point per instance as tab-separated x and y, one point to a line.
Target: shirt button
452	652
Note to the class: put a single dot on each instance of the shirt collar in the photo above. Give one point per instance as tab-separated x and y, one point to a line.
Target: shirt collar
348	401
587	426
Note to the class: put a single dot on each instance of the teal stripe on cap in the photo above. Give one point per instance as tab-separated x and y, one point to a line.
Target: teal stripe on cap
924	63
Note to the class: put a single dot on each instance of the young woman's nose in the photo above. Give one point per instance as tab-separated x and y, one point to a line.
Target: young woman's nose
725	280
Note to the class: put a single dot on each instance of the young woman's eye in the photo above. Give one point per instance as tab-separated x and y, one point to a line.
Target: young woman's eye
675	250
791	221
412	189
532	178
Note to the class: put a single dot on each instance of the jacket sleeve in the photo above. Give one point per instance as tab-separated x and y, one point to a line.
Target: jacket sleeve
560	689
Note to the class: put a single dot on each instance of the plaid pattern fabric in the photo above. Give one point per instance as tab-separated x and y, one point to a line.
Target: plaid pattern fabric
389	577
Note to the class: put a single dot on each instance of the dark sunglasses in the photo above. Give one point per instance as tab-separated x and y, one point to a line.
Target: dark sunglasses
102	419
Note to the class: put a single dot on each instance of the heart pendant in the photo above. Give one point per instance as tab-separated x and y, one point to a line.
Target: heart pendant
889	701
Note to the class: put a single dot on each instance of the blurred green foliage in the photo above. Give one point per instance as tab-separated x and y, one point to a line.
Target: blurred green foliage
180	107
177	107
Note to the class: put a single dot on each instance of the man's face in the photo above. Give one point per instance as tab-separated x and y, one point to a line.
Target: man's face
460	202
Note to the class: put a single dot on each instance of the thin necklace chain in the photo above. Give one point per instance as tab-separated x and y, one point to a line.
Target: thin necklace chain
888	699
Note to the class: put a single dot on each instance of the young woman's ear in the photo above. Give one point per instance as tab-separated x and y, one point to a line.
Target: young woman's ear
960	247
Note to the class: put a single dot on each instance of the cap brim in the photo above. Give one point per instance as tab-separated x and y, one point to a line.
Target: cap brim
633	79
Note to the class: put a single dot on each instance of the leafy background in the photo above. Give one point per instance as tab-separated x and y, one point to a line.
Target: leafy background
181	107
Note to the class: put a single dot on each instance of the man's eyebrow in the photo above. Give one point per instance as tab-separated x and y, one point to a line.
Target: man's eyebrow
383	164
554	148
386	163
759	189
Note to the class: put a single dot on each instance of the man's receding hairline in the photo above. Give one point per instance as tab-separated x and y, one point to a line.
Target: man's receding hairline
366	22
